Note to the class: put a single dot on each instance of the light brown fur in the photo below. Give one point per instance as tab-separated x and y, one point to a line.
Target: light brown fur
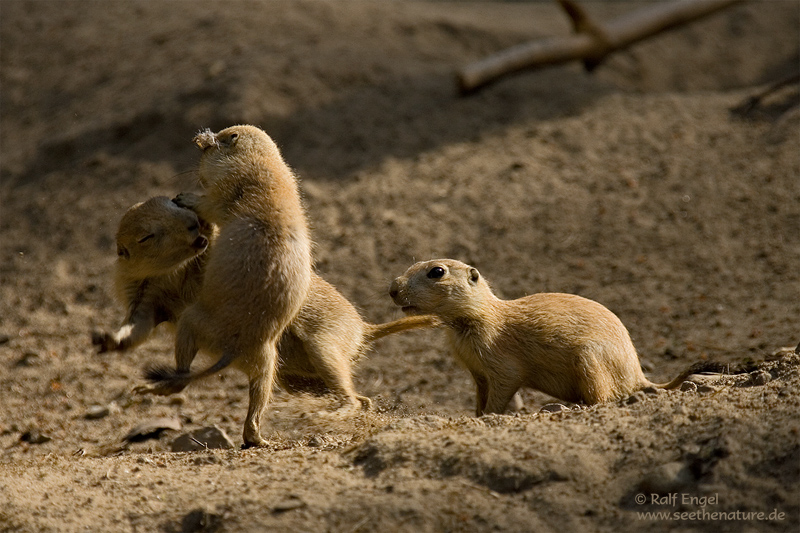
564	345
327	336
158	271
163	276
257	273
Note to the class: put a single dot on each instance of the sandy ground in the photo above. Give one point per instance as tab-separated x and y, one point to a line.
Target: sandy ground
635	186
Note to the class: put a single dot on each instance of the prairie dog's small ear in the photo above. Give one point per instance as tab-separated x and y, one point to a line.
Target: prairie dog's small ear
229	140
474	275
123	252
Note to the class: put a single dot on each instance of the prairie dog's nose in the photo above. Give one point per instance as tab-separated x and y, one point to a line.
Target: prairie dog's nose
205	139
394	289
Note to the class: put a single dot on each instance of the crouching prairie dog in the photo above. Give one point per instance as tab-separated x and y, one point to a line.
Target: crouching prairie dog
257	272
160	259
564	345
159	271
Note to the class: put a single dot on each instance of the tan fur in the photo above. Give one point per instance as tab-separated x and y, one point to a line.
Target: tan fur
564	345
257	273
327	337
158	271
317	350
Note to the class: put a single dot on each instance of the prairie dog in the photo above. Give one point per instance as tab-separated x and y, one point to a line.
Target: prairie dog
326	337
564	345
158	270
257	272
162	275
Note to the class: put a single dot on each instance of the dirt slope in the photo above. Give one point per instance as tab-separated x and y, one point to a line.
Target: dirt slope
634	186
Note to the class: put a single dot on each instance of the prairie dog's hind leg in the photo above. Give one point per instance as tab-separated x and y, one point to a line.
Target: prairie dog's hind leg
481	393
335	369
166	381
499	395
261	374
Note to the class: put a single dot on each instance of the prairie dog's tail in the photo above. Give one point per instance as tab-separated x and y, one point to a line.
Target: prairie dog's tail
712	367
378	331
169	378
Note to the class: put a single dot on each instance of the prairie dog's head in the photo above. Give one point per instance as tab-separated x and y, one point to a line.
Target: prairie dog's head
443	287
236	150
156	237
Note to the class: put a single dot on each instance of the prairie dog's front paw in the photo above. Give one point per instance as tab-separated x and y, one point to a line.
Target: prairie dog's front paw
105	342
187	200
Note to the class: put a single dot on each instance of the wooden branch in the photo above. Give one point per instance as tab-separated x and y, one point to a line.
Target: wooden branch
582	23
752	102
592	42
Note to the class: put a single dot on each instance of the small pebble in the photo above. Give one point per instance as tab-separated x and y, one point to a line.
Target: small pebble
201	520
292	502
28	359
760	377
209	438
704	389
34	436
178	399
688	386
152	429
553	408
636	397
96	412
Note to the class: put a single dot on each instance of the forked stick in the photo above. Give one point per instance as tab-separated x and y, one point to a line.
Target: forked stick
592	42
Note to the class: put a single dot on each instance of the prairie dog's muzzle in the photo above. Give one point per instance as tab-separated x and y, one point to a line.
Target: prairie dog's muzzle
394	292
205	139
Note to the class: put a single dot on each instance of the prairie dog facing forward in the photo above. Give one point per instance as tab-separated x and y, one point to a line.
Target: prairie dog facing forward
160	257
564	345
257	272
161	275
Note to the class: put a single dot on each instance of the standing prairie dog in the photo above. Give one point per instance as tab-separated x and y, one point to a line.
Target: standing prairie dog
257	273
159	272
564	345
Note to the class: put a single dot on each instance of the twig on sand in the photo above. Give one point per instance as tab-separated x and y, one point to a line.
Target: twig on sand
752	102
591	43
203	444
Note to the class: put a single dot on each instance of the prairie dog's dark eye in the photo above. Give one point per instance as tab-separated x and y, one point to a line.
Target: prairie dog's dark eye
234	136
436	272
146	238
193	227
